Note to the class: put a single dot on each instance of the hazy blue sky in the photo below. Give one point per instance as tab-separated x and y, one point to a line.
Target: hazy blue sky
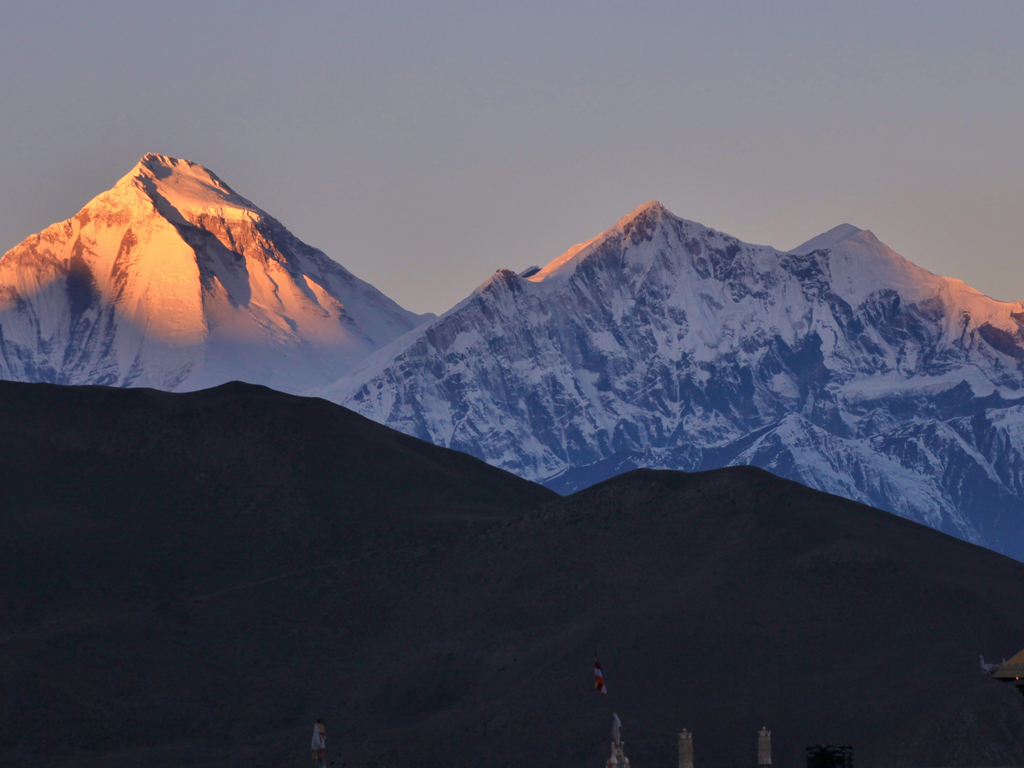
426	144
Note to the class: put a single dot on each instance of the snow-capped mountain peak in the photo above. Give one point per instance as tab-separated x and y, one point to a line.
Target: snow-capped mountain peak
172	280
184	188
829	239
645	215
638	223
661	342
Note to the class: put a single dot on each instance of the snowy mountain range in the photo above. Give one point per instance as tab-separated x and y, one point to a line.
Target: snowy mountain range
172	280
659	343
663	343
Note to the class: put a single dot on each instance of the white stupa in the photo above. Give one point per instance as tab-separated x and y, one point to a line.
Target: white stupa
618	759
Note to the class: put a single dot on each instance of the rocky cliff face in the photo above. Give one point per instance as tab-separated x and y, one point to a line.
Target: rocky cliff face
172	280
663	343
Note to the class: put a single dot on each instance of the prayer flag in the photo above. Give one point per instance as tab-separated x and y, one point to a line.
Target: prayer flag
598	677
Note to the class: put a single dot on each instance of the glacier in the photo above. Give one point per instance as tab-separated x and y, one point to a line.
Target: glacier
174	281
667	344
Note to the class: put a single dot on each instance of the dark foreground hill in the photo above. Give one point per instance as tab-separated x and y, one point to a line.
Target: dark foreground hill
165	559
192	579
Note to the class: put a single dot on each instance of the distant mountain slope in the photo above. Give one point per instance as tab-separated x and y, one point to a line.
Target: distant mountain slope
663	343
172	280
191	579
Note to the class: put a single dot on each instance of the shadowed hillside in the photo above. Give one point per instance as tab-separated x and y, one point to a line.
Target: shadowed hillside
192	579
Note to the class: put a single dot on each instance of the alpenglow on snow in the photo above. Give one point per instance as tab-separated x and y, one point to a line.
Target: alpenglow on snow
663	343
172	280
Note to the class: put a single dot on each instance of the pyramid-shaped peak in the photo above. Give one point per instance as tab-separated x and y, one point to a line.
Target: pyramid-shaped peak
650	205
164	165
186	185
652	208
831	239
639	223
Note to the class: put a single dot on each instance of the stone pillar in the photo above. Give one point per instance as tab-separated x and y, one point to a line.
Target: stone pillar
764	747
685	749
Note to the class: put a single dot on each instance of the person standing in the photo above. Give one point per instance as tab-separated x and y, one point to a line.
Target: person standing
319	743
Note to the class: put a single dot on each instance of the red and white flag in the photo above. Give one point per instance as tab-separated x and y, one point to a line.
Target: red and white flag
598	677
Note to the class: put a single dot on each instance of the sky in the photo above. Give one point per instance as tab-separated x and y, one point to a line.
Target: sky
425	145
